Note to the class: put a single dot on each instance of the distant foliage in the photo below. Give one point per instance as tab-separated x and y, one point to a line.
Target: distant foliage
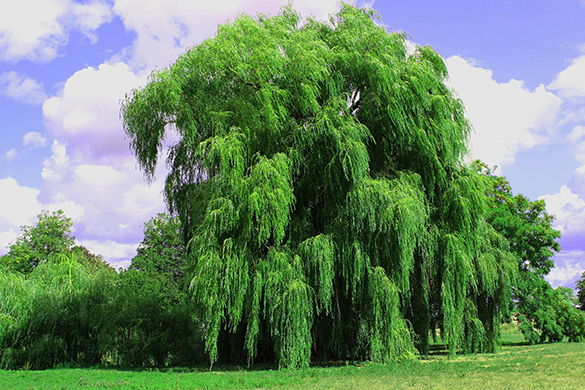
154	321
552	317
319	181
544	314
581	291
73	309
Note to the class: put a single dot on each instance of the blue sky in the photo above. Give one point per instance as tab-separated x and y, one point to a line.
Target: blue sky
518	66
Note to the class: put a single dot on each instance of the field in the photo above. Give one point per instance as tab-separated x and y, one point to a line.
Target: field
516	366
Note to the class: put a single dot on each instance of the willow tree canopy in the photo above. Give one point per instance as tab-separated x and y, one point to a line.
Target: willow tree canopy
319	181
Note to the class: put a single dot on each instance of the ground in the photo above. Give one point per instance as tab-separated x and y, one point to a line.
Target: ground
515	366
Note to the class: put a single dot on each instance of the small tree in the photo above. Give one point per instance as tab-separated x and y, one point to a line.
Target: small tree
50	237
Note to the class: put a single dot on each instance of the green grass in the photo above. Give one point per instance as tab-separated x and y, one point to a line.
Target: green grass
516	366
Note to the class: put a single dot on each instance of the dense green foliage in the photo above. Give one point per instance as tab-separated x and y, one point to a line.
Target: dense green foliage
525	224
49	238
162	250
155	324
544	314
581	291
74	309
54	314
550	314
319	184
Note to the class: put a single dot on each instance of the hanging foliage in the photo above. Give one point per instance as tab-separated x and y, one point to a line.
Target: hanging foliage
318	178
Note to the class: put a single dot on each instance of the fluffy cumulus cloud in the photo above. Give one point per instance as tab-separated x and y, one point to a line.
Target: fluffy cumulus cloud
37	29
21	205
570	83
20	88
569	209
165	28
567	270
86	113
34	139
91	165
568	203
108	199
507	117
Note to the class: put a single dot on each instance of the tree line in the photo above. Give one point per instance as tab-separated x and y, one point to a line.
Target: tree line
321	210
61	305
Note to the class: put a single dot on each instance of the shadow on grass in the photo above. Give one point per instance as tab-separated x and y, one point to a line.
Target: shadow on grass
515	343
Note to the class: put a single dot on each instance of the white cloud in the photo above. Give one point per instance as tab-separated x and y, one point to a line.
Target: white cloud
569	209
19	204
92	170
568	206
568	268
19	207
53	165
507	117
100	175
11	154
20	88
34	139
165	28
37	29
86	112
117	254
570	83
576	134
88	17
72	209
6	238
108	200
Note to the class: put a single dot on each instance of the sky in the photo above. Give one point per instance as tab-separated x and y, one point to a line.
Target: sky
65	65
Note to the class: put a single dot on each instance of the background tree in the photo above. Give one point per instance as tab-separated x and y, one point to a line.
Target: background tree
319	182
91	262
544	313
154	323
526	225
162	250
50	237
581	292
550	315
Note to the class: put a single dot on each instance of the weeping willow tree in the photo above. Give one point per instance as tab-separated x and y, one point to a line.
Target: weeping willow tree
319	181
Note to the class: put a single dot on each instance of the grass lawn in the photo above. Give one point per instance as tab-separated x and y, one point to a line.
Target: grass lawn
516	366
